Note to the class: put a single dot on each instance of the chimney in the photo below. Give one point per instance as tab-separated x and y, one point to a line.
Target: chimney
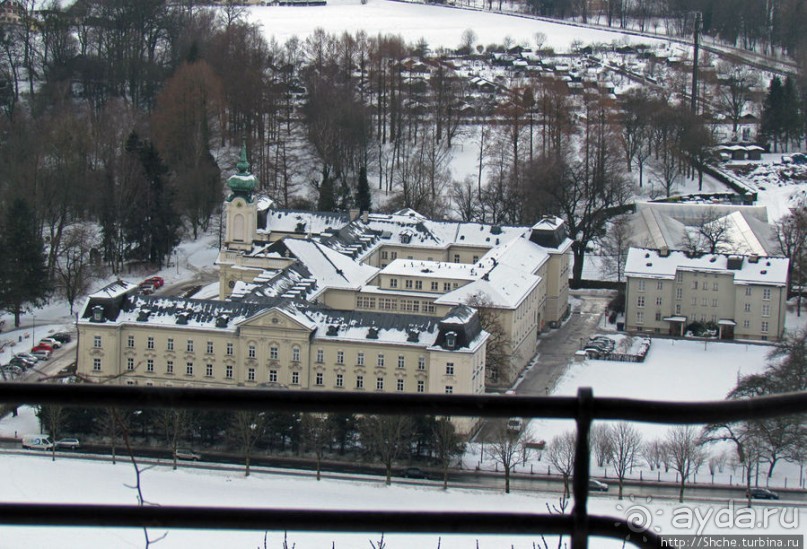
365	216
354	214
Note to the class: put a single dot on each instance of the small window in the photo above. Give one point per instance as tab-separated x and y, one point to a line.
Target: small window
250	374
340	357
150	343
660	285
380	360
766	310
401	361
408	284
393	282
450	369
229	350
456	258
320	356
748	290
421	386
446	286
295	378
340	380
228	371
359	382
421	363
434	286
189	346
272	376
208	370
379	384
319	379
747	308
658	300
641	285
96	365
189	369
96	342
746	324
295	354
130	364
449	389
360	359
150	365
130	341
169	367
251	351
418	284
639	317
764	327
766	293
640	301
170	344
209	348
273	352
399	385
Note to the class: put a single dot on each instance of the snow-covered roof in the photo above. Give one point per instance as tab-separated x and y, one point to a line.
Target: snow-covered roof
502	286
647	263
330	268
302	222
116	289
432	269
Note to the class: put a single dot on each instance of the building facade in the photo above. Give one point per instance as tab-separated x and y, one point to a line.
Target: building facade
742	297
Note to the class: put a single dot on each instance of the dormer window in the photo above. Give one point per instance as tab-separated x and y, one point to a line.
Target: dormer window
97	314
451	340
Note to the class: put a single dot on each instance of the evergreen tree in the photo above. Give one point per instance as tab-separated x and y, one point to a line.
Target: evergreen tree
363	199
23	270
327	200
791	115
773	112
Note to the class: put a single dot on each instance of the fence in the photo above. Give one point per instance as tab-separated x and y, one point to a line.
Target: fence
583	408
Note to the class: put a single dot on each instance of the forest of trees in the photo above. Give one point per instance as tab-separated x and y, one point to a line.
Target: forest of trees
124	117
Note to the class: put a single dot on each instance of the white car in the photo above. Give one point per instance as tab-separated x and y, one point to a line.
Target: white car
52	342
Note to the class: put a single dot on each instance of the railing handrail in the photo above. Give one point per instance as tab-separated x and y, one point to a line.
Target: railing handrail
583	409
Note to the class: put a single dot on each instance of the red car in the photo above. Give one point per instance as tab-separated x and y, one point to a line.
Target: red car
156	281
42	347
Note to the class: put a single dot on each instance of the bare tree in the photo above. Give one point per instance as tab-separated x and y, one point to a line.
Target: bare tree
735	91
248	428
601	443
386	437
52	417
561	456
74	271
709	235
626	444
615	245
316	431
653	453
498	356
506	449
447	444
791	234
686	454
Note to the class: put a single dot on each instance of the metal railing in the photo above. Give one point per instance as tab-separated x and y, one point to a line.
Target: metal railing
583	409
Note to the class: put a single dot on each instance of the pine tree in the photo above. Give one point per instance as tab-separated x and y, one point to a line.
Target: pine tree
23	270
327	200
363	199
772	113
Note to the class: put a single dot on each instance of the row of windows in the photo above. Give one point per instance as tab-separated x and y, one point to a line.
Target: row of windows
169	346
392	304
764	325
659	285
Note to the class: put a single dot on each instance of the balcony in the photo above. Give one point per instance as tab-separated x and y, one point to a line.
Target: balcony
583	409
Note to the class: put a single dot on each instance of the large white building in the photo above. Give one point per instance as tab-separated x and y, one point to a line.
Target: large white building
742	296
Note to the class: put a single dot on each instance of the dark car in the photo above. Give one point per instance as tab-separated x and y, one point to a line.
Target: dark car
415	472
62	337
762	493
595	485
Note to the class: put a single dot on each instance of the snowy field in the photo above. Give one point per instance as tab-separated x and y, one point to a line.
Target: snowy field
440	26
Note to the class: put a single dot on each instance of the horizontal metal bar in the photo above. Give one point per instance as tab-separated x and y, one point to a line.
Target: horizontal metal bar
383	403
233	518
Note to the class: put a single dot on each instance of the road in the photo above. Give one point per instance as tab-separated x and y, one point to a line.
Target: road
555	352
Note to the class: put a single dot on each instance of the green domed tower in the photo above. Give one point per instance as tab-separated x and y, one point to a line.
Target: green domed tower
243	182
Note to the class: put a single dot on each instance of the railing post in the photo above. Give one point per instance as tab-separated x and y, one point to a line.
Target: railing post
582	463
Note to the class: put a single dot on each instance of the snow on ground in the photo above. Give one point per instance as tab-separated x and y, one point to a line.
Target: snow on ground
38	479
440	26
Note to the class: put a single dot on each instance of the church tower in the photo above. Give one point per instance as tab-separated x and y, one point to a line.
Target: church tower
240	207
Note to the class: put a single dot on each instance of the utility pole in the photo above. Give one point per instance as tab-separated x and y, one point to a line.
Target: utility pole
694	99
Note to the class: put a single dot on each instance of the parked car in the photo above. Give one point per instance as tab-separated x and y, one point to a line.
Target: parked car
41	354
41	347
37	442
515	424
146	288
62	337
762	493
187	454
23	363
50	341
67	444
595	485
28	357
11	370
156	281
414	472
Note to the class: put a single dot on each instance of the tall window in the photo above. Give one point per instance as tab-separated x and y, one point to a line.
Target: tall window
359	382
273	352
96	342
228	371
421	363
130	364
189	368
746	324
189	346
295	378
434	286
251	351
170	344
393	282
408	284
658	300
694	284
449	368
766	310
320	379
640	301
764	327
150	343
748	290
209	348
639	317
421	386
340	357
379	384
340	380
641	285
229	349
96	365
660	285
399	385
679	293
380	360
295	354
679	276
360	359
150	365
130	341
418	284
169	367
208	370
272	376
678	308
250	374
714	286
320	355
747	308
401	361
766	293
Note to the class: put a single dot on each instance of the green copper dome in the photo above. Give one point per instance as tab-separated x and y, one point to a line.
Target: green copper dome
242	183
